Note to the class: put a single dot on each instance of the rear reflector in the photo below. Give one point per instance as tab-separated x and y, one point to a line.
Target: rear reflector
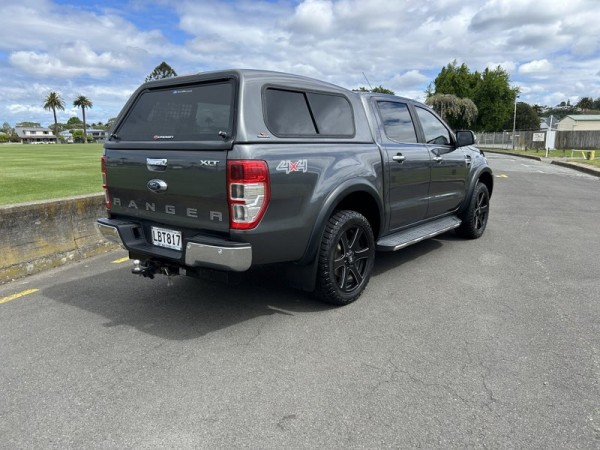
105	182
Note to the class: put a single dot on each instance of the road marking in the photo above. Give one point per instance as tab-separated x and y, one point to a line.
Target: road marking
502	176
16	296
121	260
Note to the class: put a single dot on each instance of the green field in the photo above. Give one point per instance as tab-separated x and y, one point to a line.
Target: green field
41	172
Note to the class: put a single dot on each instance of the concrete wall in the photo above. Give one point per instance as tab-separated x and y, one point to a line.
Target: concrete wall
40	235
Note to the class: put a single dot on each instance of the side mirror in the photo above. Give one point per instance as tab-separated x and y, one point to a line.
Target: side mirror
463	138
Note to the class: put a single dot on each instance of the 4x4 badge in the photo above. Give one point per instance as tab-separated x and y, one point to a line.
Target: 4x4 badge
293	166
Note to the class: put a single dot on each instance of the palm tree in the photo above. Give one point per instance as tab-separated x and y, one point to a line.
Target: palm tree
83	102
53	102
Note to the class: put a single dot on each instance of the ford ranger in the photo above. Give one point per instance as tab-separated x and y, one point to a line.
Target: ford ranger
223	171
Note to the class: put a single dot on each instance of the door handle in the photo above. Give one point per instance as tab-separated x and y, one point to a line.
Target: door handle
468	160
437	159
399	157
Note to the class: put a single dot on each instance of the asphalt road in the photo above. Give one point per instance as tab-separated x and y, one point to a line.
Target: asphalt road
488	343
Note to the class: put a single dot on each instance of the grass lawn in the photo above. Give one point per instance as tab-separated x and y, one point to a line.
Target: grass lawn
41	172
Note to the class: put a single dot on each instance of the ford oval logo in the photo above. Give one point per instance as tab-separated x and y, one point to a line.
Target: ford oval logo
157	186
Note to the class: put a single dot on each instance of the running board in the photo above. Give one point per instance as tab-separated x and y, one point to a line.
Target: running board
416	234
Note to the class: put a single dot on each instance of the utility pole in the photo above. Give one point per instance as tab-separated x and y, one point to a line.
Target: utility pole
514	123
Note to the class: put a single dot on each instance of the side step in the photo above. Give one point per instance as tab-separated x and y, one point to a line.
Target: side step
416	234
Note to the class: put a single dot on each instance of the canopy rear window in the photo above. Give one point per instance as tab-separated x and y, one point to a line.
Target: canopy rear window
188	113
308	114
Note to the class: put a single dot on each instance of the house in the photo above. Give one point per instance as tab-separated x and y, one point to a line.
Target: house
97	135
66	136
35	135
580	122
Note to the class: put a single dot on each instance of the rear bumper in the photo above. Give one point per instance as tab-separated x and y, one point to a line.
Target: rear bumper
198	250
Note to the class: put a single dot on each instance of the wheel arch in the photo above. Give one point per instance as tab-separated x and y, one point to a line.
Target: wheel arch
361	197
485	176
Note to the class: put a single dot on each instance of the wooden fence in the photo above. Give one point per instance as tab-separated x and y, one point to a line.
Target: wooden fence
577	140
524	140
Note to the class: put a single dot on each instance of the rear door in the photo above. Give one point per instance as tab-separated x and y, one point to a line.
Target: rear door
167	159
407	165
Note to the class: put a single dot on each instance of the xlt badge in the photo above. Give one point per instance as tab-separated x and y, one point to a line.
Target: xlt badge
157	186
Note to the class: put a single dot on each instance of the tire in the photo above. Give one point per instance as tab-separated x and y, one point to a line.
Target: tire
475	218
346	257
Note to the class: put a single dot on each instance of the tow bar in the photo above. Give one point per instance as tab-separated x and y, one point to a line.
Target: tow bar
149	269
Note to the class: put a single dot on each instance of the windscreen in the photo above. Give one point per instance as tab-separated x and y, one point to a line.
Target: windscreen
189	113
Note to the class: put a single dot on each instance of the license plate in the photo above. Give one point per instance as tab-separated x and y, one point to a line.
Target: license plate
166	238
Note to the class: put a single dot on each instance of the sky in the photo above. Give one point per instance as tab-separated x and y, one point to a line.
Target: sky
104	49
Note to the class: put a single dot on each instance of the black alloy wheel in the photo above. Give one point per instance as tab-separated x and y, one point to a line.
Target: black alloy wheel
346	258
475	217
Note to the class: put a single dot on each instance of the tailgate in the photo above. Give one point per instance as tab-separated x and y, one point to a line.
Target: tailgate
181	188
166	160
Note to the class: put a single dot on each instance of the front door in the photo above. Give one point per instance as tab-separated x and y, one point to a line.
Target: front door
449	166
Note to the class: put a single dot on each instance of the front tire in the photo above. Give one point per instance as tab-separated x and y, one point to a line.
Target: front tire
474	219
346	258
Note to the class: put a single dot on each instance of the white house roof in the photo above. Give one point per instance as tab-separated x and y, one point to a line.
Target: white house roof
21	132
584	117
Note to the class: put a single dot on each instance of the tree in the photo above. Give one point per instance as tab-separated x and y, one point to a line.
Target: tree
457	80
83	102
78	136
490	91
585	103
495	99
29	124
163	70
527	118
6	128
74	122
52	102
377	89
381	90
460	113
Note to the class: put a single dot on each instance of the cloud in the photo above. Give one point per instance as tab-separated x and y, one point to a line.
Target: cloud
537	67
102	51
69	60
313	16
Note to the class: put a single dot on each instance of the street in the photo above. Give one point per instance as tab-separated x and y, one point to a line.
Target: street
487	343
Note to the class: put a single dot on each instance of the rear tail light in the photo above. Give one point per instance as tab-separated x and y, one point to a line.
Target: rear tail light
248	192
104	182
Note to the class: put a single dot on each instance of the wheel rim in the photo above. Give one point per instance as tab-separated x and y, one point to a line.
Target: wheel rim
351	259
480	214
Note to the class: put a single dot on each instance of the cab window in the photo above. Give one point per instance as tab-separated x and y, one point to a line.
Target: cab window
435	131
397	122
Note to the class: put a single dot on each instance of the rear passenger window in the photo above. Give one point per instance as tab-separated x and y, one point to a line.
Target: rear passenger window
295	113
397	123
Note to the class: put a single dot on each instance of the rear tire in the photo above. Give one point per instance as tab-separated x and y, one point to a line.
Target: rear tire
474	219
346	258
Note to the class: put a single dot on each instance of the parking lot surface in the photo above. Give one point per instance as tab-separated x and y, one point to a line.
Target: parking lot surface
486	343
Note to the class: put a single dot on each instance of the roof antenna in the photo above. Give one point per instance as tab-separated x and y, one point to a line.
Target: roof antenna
370	87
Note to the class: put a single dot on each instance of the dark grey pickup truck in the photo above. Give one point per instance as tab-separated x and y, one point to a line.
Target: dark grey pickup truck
222	171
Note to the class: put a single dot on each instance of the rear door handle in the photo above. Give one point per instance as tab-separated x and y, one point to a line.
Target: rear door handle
468	160
399	157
